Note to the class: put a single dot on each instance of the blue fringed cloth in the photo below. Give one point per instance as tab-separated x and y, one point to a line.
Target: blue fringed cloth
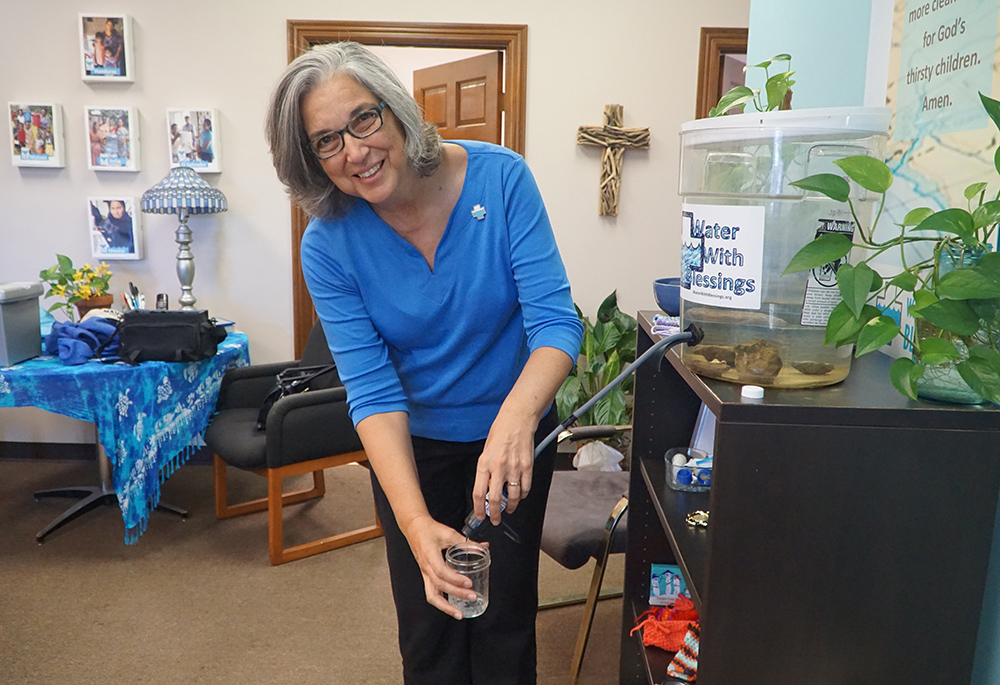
150	417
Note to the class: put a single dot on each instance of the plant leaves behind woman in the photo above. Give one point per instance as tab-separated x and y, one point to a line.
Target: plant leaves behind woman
608	347
964	303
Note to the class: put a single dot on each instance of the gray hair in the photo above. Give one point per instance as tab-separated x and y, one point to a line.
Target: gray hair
298	168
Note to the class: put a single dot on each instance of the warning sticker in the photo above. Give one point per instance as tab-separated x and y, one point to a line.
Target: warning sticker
822	293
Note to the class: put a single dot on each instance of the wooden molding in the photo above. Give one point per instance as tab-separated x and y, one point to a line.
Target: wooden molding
511	38
715	43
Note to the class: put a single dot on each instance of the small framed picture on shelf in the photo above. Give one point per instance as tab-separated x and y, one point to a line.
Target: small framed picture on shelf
106	48
112	138
193	136
36	134
115	231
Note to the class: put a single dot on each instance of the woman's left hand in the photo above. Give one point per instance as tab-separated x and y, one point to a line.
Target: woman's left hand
507	459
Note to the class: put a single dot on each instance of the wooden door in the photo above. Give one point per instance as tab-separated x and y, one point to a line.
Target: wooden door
463	98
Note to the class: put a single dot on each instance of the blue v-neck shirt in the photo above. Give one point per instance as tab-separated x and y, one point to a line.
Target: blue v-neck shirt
445	346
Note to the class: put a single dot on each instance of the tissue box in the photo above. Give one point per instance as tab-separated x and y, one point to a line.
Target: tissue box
20	325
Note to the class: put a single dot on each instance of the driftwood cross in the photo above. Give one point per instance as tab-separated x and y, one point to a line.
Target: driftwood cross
614	139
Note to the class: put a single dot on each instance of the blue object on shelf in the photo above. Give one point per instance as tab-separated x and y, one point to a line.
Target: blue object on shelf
684	476
668	295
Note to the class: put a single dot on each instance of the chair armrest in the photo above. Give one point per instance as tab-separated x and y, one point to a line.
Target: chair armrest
246	386
310	425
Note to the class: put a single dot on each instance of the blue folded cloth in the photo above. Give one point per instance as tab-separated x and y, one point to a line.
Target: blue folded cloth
75	343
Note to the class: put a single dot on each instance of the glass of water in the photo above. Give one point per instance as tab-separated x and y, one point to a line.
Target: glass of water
473	561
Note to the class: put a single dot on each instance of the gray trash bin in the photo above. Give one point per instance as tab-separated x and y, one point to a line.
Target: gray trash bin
20	324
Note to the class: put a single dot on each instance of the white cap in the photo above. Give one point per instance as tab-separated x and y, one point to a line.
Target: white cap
752	392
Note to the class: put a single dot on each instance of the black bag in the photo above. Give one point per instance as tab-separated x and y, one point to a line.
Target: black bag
149	335
290	382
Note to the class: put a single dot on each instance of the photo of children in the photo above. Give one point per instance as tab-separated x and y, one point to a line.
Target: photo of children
112	139
106	45
114	228
35	134
193	139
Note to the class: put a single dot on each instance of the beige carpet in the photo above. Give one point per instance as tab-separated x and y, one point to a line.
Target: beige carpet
196	601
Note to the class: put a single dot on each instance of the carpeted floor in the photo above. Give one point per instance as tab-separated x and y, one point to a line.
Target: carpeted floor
196	601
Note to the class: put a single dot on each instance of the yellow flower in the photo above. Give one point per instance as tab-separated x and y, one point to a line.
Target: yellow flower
59	290
85	291
77	275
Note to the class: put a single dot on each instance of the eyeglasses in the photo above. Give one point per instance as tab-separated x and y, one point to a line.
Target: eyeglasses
330	143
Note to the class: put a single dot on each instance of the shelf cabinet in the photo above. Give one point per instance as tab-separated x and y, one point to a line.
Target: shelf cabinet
849	536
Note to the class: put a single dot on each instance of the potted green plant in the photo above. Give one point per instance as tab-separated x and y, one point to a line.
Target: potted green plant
608	347
955	288
82	289
777	90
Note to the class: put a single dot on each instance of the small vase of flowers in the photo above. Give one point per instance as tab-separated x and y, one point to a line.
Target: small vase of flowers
82	289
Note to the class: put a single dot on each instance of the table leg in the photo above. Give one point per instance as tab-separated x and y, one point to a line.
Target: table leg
92	496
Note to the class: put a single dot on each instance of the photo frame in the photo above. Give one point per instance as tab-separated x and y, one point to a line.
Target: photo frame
193	139
106	48
36	134
112	138
115	227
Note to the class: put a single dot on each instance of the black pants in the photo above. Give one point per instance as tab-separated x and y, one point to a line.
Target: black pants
499	646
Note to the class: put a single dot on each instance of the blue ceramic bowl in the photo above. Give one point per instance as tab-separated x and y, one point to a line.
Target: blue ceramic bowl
668	295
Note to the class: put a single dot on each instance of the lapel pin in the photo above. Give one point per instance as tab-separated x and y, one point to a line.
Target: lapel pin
479	212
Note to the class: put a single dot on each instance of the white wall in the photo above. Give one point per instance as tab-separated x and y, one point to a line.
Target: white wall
581	56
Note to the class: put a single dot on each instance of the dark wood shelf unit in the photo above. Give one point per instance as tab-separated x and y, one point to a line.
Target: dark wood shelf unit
850	528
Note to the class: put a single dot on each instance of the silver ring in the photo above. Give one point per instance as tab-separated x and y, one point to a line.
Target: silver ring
513	484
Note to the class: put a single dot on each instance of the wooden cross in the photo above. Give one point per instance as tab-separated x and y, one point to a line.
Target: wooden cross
614	139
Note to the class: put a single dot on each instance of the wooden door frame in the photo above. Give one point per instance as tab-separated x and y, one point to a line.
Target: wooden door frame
715	42
511	38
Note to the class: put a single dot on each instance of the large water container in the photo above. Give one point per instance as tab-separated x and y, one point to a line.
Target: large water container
742	222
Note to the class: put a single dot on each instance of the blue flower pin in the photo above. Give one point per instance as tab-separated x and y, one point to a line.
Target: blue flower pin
479	212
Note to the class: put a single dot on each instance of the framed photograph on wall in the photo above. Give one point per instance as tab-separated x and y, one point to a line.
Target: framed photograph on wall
112	138
36	134
193	136
106	48
115	231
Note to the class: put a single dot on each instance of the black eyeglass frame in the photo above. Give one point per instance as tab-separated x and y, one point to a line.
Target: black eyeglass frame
347	129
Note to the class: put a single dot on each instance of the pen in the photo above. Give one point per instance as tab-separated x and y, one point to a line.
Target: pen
125	300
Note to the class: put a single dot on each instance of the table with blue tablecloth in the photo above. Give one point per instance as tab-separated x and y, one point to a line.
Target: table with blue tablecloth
150	417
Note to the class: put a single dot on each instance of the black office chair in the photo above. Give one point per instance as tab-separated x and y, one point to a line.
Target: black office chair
305	433
586	516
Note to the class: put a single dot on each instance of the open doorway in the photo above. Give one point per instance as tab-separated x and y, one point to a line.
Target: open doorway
722	56
511	39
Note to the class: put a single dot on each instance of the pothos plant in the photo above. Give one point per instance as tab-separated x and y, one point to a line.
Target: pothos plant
955	289
776	90
608	347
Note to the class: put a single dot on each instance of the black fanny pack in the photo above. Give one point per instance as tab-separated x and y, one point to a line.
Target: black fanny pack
149	335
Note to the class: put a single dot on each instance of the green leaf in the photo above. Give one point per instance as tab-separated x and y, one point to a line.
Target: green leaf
904	281
776	88
842	327
996	159
612	368
938	351
982	377
763	65
904	374
974	189
868	172
65	263
922	298
606	336
876	334
992	108
739	95
606	312
990	265
968	284
569	397
986	354
782	57
955	316
827	248
915	216
957	221
986	214
855	283
833	186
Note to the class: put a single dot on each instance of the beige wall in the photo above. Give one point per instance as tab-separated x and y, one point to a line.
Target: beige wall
190	53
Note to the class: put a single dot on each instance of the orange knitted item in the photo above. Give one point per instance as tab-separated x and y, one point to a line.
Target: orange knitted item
665	627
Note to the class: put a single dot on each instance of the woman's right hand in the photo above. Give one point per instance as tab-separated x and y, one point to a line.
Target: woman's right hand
428	539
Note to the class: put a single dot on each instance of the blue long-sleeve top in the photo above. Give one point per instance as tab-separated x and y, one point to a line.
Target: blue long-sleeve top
446	345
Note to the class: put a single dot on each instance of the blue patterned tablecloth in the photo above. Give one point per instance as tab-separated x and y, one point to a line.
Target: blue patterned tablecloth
149	417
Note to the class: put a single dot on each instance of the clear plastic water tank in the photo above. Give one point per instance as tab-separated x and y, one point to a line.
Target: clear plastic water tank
742	222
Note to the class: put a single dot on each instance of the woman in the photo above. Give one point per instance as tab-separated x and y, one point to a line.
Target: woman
435	272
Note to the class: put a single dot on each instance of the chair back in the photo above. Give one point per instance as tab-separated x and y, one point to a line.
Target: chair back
317	353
